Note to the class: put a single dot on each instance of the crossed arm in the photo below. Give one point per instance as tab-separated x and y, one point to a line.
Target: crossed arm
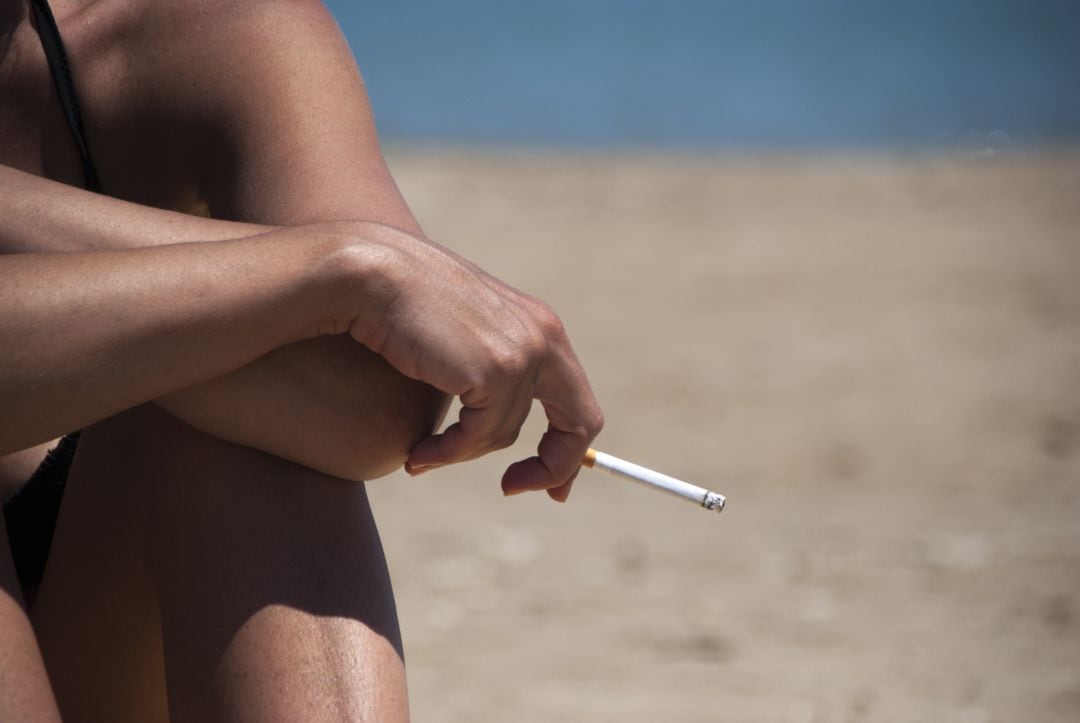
93	332
290	141
327	403
278	154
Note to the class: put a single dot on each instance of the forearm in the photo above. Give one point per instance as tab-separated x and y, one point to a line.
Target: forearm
90	334
40	215
335	407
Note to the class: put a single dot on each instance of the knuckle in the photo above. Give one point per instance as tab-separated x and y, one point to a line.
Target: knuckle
534	344
549	322
598	422
594	423
509	361
515	356
474	377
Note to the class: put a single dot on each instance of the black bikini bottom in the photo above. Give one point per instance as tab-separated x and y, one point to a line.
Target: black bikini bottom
32	512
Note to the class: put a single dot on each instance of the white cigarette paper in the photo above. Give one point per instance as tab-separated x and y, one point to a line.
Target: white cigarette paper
650	478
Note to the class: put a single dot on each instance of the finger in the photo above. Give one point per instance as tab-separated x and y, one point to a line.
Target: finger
479	430
436	450
562	492
557	462
574	418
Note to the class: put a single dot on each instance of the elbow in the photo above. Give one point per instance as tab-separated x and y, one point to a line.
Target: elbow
328	404
377	443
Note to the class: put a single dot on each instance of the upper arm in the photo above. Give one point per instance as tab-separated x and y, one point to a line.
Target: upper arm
285	136
293	137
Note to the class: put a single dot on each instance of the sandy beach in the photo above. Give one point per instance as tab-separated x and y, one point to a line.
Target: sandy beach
876	358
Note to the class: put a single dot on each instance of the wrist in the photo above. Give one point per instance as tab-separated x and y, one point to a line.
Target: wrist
355	280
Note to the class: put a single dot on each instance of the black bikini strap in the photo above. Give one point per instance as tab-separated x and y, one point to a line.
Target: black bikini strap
65	86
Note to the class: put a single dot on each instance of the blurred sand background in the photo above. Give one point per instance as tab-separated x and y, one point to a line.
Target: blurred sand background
877	358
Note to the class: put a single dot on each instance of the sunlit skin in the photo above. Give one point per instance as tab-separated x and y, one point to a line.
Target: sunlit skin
212	560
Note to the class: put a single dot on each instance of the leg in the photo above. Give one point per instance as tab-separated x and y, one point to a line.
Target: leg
266	581
96	611
25	693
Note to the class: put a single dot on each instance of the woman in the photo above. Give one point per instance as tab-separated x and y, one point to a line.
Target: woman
209	562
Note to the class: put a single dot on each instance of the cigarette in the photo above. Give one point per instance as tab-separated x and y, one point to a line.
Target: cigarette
644	475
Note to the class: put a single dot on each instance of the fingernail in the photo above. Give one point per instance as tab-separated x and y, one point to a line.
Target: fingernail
418	469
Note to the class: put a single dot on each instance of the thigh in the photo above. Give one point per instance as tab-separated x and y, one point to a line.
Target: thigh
24	686
260	584
96	610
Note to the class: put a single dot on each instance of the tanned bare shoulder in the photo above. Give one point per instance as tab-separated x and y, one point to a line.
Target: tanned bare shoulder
168	86
253	108
286	131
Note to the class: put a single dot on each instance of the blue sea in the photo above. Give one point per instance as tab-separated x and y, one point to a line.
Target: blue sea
727	74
